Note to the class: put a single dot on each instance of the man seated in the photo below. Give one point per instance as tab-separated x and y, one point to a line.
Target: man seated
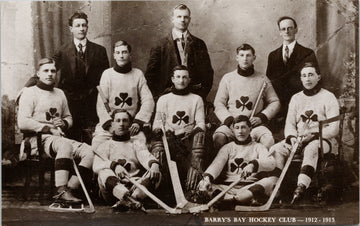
244	158
182	115
44	109
237	95
124	87
306	109
124	156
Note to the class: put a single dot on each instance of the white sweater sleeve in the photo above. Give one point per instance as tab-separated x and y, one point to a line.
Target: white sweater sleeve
200	114
100	106
291	124
220	102
331	110
146	100
103	162
25	113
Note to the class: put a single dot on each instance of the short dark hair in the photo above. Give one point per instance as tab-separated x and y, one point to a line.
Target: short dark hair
245	47
46	60
311	64
119	111
122	43
180	68
78	15
182	7
286	18
242	118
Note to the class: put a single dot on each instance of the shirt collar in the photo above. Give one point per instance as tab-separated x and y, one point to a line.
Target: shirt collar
83	43
177	34
290	46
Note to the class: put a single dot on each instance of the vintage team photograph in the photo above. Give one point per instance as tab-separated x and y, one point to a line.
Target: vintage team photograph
194	112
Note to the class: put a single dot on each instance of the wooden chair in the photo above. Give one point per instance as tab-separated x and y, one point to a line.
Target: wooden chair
39	162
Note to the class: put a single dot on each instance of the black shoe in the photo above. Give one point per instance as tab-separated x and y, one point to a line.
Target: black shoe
298	193
65	196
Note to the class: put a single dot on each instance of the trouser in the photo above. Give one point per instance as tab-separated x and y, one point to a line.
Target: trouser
64	150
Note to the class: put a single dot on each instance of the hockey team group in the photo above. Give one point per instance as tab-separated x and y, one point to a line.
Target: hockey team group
135	135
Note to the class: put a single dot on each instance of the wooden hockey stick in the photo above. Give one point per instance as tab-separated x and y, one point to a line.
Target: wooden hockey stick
258	99
267	205
105	101
91	208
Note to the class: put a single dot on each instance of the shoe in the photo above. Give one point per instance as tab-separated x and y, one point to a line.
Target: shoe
65	196
298	193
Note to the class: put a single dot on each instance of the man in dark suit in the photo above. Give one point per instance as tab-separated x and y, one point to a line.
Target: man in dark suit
81	64
284	65
179	48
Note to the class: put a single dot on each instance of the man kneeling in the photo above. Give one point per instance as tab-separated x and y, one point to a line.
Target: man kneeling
243	158
123	156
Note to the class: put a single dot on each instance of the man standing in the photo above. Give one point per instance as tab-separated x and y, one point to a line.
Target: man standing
81	63
284	64
180	48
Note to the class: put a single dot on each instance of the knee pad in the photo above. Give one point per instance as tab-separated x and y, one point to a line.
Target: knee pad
157	149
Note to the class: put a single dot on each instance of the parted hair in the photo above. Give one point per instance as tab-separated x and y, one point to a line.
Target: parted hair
78	15
311	64
182	7
180	68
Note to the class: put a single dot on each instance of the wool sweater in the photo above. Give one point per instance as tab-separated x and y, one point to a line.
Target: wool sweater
125	91
182	113
132	154
310	110
236	157
38	108
237	95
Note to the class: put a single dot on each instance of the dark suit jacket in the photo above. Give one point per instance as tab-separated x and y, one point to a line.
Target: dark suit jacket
286	78
164	57
81	91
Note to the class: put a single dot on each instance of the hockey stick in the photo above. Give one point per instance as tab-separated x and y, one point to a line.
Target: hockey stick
205	207
105	101
91	208
148	193
174	174
267	205
258	99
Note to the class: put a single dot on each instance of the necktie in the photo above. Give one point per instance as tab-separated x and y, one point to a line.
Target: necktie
81	52
182	41
287	56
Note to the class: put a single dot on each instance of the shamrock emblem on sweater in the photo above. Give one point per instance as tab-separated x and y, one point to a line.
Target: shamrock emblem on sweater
124	98
237	165
124	164
179	117
52	113
244	102
309	116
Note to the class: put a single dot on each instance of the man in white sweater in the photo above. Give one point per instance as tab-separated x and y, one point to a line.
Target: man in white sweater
124	87
237	94
43	110
306	109
241	158
120	156
182	115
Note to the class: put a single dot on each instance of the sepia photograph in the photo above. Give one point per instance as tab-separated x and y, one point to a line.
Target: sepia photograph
167	112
